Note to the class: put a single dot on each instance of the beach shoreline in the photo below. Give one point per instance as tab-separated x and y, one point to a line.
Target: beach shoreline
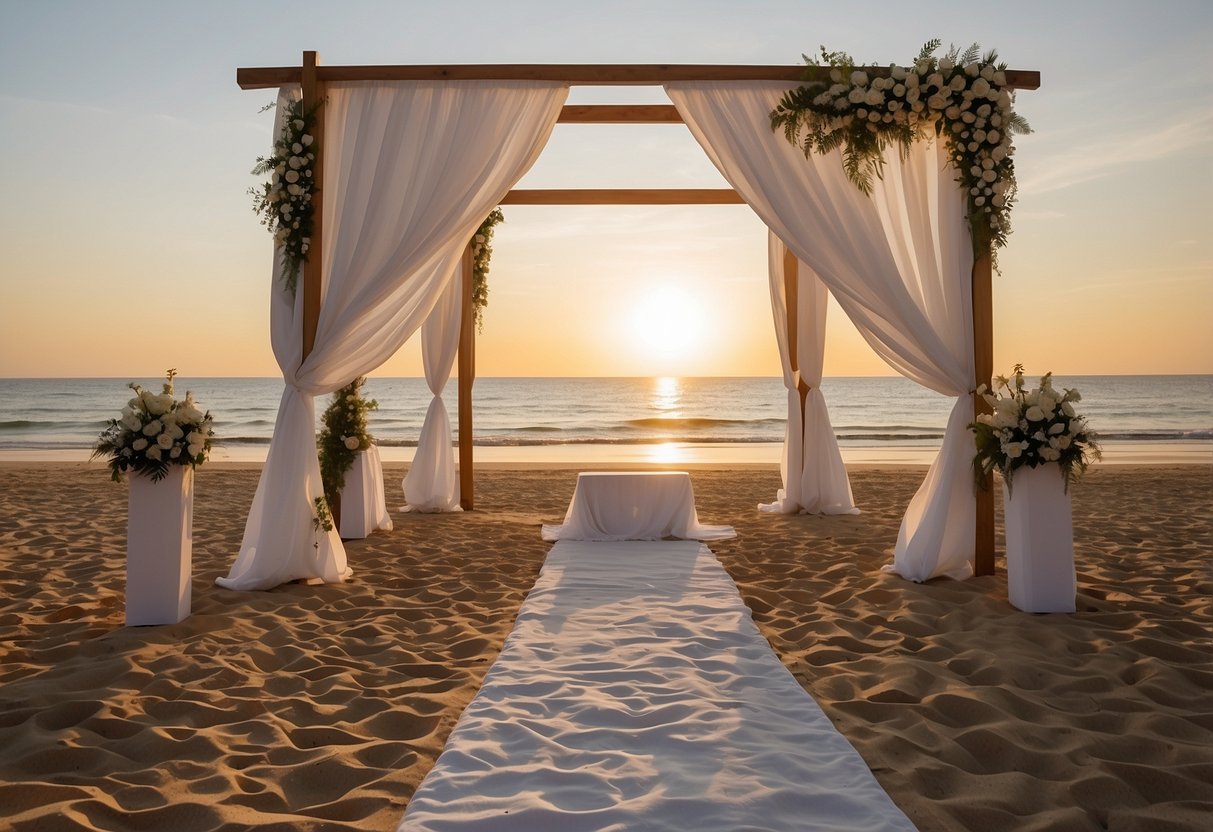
323	706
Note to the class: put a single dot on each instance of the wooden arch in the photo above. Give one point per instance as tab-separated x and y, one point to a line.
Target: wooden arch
312	77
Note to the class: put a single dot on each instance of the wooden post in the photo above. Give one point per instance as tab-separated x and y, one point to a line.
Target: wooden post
467	376
313	98
791	293
983	364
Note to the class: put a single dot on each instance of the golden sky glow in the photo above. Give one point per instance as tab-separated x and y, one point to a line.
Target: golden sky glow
128	242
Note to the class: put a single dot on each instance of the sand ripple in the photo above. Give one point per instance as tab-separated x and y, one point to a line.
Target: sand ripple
323	707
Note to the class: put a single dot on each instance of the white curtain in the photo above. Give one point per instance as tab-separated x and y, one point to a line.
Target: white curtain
432	484
814	478
411	170
899	264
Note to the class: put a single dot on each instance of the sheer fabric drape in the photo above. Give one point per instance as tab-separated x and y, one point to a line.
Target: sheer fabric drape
899	264
411	170
814	478
432	484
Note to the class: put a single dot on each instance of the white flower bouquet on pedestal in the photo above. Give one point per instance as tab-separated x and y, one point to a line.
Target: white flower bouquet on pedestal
1037	430
159	441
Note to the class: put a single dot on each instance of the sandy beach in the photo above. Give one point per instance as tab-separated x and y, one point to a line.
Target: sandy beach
322	707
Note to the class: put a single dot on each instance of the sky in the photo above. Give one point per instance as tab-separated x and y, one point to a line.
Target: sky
128	243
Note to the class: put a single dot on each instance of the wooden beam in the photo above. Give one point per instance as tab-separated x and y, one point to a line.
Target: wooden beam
624	196
251	78
467	376
983	364
313	98
620	114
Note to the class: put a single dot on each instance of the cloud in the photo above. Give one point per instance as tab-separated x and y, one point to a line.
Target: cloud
1107	156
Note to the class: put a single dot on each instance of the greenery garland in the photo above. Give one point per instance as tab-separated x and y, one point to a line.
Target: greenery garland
482	253
961	97
344	434
284	203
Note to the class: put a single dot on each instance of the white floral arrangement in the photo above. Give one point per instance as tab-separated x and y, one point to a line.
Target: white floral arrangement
155	432
1031	428
284	203
962	98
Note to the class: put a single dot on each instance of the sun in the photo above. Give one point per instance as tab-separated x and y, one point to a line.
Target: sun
668	322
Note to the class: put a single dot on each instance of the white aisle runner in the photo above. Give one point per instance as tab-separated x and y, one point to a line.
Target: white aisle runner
635	693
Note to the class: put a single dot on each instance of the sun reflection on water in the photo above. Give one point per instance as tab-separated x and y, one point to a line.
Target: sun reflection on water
667	396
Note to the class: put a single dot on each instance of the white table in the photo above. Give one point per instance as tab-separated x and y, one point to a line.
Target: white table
363	504
633	505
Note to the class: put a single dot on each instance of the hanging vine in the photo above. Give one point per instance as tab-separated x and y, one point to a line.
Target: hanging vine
482	253
284	203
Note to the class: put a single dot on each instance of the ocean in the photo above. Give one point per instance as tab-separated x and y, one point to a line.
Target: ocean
550	418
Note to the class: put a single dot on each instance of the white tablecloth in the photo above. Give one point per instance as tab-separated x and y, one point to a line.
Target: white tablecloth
633	505
363	504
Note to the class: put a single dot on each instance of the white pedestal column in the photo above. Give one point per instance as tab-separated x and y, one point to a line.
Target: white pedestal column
1040	541
363	502
159	547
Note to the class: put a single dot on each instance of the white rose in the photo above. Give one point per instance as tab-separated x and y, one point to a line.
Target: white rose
194	450
153	452
152	428
296	148
306	139
874	98
855	96
1013	449
292	176
859	78
958	83
981	86
989	176
935	80
295	163
1063	442
139	444
993	137
164	441
352	443
1034	414
946	63
898	73
176	452
999	78
1056	429
132	421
